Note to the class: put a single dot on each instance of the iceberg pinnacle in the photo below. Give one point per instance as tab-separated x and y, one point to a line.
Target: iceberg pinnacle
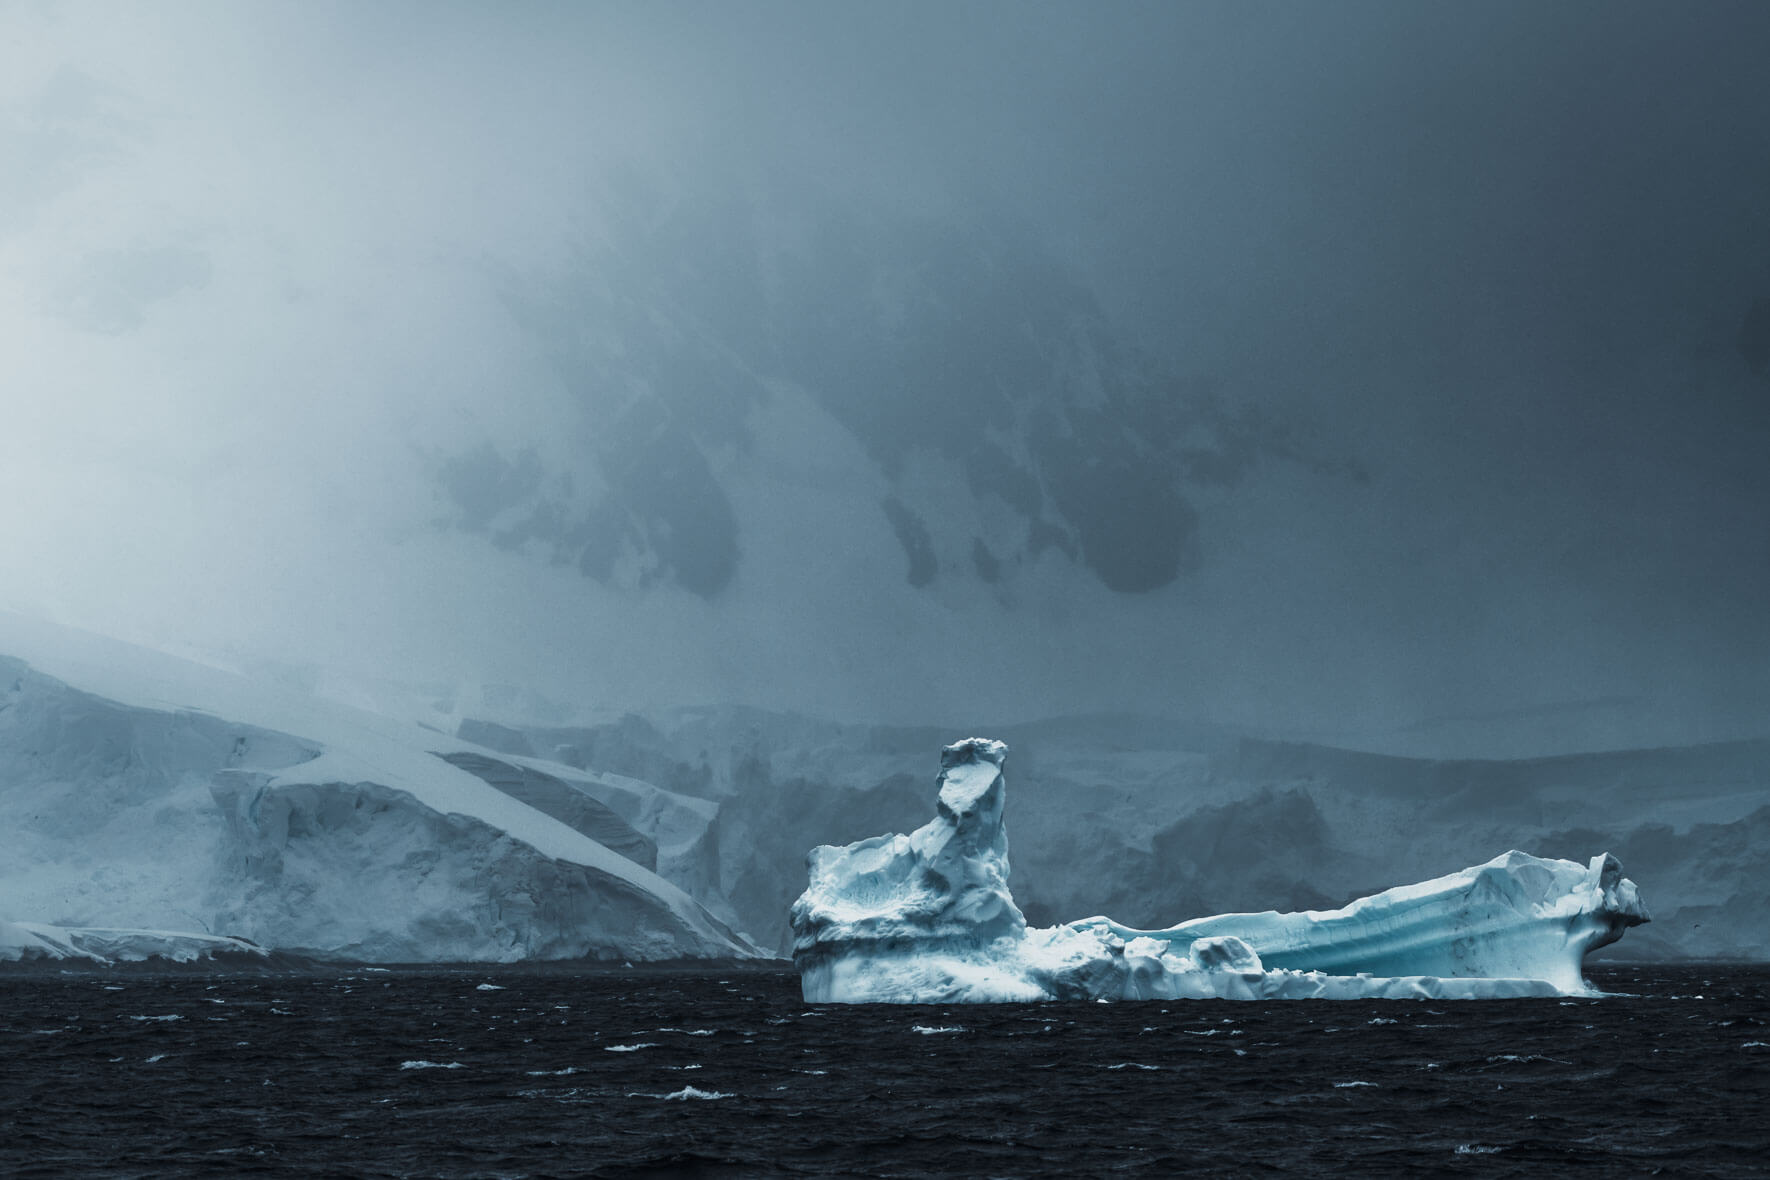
929	918
941	890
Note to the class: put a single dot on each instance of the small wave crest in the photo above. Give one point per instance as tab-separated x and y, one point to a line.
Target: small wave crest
686	1094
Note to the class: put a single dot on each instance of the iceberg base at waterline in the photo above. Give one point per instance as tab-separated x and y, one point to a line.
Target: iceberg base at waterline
928	918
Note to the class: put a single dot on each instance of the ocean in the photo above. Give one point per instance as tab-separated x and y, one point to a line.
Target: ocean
567	1070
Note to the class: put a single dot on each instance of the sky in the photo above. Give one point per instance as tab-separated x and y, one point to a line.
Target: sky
1453	294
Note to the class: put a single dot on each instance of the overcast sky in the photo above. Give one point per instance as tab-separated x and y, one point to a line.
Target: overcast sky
1496	257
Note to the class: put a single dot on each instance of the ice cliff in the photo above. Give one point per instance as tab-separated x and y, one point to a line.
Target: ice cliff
928	918
141	794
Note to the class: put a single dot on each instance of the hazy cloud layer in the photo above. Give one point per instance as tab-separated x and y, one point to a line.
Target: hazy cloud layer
1380	371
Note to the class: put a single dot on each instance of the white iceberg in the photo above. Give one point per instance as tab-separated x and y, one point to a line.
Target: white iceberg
928	918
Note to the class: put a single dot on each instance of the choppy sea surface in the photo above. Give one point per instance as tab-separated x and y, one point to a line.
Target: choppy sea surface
596	1071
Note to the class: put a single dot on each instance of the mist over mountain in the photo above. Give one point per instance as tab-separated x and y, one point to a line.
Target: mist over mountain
1387	377
980	382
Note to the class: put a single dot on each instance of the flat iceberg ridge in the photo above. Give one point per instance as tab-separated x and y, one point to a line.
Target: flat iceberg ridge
929	918
105	945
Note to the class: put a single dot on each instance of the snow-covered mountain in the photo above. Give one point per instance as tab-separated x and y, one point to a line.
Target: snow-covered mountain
146	792
646	451
990	404
140	791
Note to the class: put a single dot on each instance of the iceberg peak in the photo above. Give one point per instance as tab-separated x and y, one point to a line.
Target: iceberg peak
971	750
943	886
968	820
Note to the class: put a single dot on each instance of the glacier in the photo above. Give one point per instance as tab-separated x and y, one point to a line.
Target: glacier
159	808
928	918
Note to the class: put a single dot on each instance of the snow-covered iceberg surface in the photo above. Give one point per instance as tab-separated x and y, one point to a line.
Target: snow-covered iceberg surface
928	918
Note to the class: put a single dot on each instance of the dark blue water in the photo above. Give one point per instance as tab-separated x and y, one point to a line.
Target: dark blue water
562	1071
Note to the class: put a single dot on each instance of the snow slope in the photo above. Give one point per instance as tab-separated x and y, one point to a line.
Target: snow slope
139	790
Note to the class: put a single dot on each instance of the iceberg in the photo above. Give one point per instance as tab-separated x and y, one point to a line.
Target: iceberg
928	918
